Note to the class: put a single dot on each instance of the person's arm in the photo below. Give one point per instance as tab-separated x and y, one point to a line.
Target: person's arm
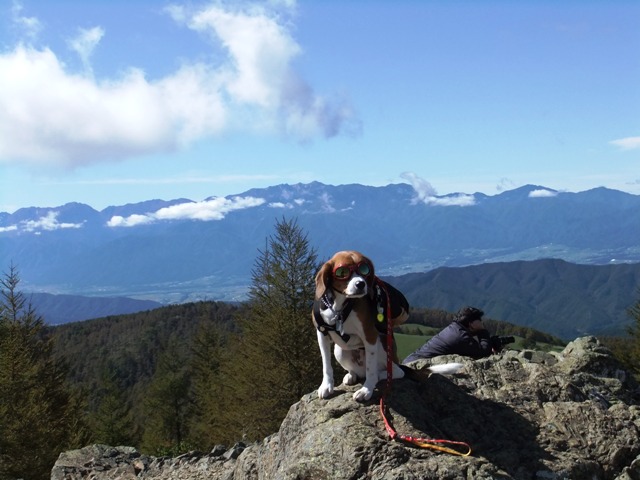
439	344
427	350
470	347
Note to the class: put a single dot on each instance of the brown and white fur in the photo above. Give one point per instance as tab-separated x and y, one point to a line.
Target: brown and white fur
362	356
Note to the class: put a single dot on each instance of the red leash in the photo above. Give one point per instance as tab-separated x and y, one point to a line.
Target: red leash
432	443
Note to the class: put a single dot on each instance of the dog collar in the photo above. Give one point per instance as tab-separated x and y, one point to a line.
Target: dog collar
339	316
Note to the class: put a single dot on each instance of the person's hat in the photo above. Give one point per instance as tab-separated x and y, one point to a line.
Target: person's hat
467	315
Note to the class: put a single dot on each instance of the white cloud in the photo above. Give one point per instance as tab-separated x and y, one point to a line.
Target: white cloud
426	194
422	188
213	209
261	50
30	26
542	193
50	115
130	221
49	223
85	43
298	202
628	143
85	121
326	203
459	200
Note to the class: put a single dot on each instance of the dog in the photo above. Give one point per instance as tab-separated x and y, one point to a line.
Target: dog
349	301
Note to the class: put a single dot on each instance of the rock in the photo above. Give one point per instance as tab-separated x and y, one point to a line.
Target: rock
526	415
100	460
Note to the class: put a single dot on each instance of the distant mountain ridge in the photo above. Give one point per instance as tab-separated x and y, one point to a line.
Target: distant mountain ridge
181	250
59	309
554	296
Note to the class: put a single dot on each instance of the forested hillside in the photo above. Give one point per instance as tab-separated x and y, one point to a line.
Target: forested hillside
565	299
136	371
127	347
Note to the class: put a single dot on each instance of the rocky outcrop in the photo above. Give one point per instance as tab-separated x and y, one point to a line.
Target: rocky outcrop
102	462
526	415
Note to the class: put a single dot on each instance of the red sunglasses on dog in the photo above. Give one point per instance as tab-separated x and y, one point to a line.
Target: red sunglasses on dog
344	272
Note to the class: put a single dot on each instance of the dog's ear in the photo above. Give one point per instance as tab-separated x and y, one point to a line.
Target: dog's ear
323	279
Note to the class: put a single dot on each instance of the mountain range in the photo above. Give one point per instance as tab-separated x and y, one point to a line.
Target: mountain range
182	250
58	309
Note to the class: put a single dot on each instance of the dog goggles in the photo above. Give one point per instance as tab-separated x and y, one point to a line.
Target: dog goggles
344	272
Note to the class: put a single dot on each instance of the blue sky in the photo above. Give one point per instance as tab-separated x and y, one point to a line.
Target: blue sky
121	101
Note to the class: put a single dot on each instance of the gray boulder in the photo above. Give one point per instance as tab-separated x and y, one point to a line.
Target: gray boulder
526	415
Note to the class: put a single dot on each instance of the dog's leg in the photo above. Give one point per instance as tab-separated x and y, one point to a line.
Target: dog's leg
371	372
353	362
326	387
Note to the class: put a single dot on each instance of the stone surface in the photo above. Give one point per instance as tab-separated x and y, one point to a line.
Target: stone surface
526	415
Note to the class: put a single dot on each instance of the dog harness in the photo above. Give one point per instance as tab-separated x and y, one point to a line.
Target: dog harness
339	316
325	302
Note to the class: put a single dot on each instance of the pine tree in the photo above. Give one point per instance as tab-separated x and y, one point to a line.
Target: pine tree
168	405
275	359
112	423
208	354
39	416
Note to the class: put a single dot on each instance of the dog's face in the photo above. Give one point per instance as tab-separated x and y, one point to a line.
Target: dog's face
349	273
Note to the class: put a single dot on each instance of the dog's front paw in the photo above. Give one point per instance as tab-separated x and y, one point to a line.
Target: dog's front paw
325	390
350	379
363	394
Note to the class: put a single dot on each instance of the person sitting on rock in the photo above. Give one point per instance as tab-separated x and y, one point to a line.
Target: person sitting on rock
465	335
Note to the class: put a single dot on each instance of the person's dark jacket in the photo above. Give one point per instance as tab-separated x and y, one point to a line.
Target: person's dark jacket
454	339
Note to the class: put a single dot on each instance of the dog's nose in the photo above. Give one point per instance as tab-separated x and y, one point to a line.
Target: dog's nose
360	284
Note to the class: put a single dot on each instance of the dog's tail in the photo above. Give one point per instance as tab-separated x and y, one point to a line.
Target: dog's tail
446	368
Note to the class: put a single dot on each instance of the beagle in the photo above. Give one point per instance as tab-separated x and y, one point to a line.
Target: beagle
350	309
